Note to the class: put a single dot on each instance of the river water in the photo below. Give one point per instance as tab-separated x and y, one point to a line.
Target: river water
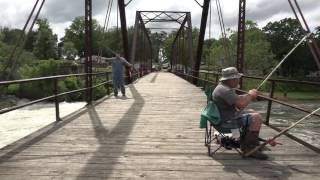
19	123
283	116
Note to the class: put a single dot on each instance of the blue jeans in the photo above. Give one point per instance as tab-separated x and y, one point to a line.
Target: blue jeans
246	119
118	83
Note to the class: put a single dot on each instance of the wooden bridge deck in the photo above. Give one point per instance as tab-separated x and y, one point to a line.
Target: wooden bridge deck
153	134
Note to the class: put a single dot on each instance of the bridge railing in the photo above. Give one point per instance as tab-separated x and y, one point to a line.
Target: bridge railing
56	94
206	82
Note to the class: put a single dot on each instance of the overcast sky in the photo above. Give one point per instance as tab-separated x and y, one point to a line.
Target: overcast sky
60	13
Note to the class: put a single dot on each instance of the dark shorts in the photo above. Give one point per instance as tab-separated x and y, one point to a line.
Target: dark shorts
246	119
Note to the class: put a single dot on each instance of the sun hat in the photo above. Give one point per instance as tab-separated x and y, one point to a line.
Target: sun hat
230	73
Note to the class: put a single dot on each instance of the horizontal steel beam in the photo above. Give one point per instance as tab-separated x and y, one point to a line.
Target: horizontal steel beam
163	11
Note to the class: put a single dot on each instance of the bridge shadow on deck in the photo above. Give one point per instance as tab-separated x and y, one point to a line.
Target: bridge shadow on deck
103	135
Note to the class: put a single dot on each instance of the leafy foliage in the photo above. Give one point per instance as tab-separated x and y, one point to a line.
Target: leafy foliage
258	59
283	35
69	51
46	42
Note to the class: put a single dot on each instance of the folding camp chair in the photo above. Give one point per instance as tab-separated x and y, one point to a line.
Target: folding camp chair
210	119
222	137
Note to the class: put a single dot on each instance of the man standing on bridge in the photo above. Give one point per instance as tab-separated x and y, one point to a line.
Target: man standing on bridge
118	64
231	107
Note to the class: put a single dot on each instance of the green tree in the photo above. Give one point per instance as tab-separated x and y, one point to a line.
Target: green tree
283	35
258	57
10	36
69	51
76	34
111	39
7	69
217	56
46	42
258	53
157	40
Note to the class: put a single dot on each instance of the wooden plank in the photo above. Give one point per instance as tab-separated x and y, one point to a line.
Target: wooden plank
152	134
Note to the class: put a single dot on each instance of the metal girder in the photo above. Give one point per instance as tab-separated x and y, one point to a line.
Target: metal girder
204	17
88	49
189	32
241	34
162	16
124	33
176	56
176	37
134	41
312	44
139	22
124	29
147	35
143	17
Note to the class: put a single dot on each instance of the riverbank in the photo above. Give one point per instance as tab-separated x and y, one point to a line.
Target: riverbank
8	101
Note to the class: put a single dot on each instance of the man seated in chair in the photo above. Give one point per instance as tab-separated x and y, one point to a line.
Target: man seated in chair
231	107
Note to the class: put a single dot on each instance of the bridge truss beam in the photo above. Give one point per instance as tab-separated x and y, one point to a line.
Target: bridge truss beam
124	31
88	49
312	44
241	34
204	16
144	18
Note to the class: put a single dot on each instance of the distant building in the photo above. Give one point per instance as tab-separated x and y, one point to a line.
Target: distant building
97	60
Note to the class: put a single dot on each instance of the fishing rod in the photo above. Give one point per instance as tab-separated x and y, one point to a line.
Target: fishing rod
283	59
279	134
113	52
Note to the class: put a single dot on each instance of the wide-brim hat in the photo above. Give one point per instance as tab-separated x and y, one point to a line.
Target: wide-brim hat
230	73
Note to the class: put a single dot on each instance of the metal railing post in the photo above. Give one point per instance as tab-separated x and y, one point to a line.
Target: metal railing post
270	102
56	99
107	84
217	78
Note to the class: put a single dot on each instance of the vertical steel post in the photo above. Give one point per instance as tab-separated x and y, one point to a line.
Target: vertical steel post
183	61
88	49
190	48
270	102
217	78
204	17
107	84
241	34
124	32
135	37
56	100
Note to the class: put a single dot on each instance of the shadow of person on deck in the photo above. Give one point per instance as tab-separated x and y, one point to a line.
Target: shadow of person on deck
249	167
112	142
